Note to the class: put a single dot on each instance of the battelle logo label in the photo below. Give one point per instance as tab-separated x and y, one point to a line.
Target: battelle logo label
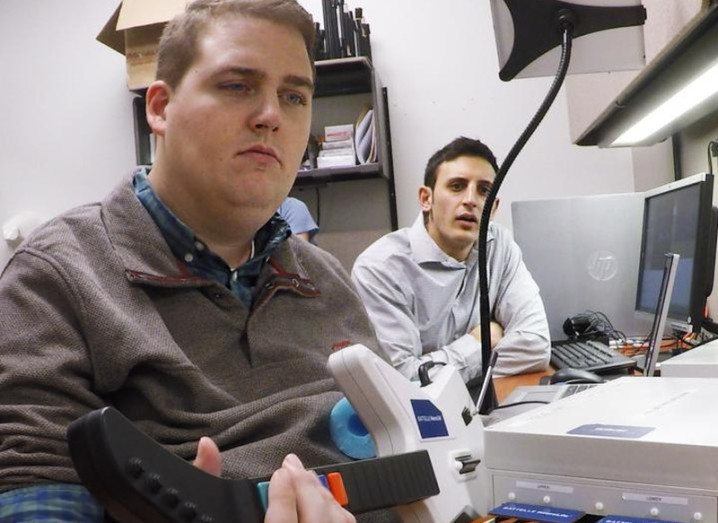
429	419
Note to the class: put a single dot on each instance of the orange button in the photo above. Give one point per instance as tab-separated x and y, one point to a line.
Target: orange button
336	486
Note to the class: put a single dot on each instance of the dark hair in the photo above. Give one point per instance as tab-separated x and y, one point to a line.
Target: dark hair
178	44
461	146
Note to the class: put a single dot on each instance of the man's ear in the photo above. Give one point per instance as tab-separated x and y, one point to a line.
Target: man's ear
425	198
496	207
157	98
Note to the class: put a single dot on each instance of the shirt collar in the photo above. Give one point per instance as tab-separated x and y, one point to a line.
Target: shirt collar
192	250
425	250
179	237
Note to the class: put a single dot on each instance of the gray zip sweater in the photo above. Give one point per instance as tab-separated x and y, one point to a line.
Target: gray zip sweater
97	311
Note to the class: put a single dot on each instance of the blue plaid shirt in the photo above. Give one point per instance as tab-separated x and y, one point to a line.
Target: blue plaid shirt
52	502
196	255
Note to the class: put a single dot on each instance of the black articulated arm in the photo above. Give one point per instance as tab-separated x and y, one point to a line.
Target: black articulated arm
527	16
564	21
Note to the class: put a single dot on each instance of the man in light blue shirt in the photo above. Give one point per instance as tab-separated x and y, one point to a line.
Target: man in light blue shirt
297	215
420	284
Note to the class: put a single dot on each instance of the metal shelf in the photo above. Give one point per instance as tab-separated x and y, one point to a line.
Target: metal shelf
338	174
343	76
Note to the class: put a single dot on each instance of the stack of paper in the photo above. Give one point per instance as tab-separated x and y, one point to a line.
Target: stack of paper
338	147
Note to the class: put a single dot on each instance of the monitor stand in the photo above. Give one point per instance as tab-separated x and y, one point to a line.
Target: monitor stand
655	339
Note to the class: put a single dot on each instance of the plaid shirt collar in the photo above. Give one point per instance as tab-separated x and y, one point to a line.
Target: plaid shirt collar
193	252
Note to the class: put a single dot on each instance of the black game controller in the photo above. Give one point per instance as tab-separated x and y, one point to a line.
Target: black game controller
137	480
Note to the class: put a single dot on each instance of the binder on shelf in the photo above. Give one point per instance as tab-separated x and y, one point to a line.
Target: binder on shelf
365	137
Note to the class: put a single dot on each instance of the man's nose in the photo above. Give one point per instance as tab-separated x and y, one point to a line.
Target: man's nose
267	114
471	196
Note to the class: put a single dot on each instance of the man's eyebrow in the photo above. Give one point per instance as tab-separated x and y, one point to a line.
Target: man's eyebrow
300	81
249	72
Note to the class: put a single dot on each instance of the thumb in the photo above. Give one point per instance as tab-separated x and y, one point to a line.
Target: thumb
208	458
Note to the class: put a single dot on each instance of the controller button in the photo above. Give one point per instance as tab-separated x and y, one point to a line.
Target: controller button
135	468
187	511
170	497
153	483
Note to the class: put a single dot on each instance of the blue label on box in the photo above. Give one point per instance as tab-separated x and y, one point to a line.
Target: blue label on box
430	419
537	513
626	519
611	431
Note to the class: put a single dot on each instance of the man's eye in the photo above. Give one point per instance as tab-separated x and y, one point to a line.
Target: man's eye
295	98
455	187
236	86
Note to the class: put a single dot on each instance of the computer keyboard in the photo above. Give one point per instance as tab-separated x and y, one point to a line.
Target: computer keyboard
589	355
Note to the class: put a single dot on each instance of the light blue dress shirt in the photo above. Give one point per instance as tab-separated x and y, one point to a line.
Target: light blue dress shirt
296	214
424	303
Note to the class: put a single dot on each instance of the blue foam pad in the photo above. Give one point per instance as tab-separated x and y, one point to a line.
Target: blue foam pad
349	433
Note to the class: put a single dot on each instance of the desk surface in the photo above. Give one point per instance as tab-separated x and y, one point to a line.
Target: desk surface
505	384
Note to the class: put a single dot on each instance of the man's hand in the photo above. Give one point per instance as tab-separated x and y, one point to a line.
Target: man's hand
295	494
497	332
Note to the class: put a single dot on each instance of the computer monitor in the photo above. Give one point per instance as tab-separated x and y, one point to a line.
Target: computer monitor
677	218
583	252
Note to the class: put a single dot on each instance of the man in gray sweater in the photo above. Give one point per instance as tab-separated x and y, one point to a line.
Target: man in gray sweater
181	299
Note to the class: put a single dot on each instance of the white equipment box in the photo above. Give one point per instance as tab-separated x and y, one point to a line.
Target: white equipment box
637	447
701	362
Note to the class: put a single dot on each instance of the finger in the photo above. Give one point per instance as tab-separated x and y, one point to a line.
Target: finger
282	499
208	458
293	462
314	501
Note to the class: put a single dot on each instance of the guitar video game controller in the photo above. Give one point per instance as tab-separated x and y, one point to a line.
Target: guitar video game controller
427	439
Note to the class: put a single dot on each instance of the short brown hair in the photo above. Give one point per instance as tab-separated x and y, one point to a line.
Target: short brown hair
461	146
178	44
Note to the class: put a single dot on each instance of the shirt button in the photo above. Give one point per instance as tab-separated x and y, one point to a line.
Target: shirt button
199	246
234	275
188	257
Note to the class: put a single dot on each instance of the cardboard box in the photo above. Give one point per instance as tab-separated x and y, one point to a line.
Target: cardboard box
134	30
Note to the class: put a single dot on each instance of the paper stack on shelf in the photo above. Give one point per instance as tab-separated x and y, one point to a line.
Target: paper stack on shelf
365	138
338	147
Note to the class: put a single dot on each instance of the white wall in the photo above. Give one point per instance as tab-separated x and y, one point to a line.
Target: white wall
65	114
66	130
439	62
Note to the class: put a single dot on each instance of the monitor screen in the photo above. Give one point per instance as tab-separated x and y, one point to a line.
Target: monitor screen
676	220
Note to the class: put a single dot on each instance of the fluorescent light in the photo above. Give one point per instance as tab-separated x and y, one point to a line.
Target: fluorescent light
697	91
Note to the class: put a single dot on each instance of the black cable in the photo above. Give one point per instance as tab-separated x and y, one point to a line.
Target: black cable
566	27
424	378
521	403
600	325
